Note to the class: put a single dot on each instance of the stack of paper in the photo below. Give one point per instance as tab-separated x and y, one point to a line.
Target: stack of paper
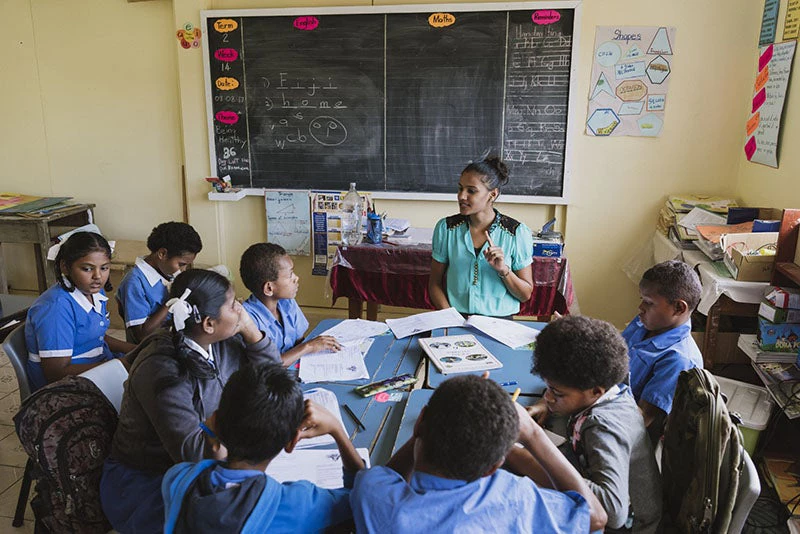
327	399
336	366
678	219
352	330
322	467
510	333
750	346
425	322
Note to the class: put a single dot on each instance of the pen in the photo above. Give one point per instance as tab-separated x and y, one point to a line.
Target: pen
354	416
207	431
509	383
515	395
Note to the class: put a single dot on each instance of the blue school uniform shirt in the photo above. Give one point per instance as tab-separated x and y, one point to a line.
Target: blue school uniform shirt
207	497
383	501
64	323
473	286
141	292
285	335
656	362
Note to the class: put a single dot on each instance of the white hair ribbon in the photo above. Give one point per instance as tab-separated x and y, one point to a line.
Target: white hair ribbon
180	309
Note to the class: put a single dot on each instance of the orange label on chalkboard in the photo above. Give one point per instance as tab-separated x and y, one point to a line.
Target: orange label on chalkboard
225	25
227	84
441	20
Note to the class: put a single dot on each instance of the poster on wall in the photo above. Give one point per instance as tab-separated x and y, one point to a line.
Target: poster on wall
326	217
630	76
791	24
769	20
288	221
769	94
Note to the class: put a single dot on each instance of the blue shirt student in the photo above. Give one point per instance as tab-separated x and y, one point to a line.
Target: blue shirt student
141	292
473	286
62	323
207	497
285	335
383	501
656	362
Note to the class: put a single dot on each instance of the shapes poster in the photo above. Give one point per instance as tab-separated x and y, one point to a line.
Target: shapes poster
769	93
630	76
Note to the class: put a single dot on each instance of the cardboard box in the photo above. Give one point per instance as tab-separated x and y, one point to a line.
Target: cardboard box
777	337
727	350
783	297
547	248
742	265
778	315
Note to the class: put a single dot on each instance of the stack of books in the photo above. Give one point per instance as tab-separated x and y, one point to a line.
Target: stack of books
678	206
750	345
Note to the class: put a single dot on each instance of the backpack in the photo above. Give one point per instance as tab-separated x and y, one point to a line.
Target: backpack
701	460
66	428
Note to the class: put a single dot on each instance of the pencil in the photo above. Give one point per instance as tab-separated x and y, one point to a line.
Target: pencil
354	416
515	395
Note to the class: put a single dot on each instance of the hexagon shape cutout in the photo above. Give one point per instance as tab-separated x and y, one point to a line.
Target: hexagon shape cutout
650	125
658	70
603	121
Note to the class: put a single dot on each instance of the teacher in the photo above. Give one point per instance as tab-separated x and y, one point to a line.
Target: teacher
481	258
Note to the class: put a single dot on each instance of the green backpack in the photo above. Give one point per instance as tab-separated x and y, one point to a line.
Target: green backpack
701	461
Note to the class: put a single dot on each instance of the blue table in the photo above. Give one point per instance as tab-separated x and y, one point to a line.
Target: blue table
387	357
417	399
516	363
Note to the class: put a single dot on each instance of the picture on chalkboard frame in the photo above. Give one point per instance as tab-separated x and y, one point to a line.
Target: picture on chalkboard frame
395	98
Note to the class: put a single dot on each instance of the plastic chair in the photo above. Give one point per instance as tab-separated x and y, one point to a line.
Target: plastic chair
749	490
14	347
109	378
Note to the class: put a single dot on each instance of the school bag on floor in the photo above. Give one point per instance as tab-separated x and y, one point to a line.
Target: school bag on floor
701	460
66	428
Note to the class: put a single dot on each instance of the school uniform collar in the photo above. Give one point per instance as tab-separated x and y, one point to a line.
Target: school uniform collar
153	277
83	301
427	482
207	355
670	337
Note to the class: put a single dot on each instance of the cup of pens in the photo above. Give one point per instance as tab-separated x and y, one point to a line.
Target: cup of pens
374	228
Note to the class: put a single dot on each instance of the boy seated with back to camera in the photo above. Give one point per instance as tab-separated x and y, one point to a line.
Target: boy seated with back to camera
261	412
446	478
659	339
584	363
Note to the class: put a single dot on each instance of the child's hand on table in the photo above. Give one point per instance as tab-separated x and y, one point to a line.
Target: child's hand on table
323	343
317	421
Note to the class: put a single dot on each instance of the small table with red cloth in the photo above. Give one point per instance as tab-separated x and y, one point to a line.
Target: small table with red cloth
398	276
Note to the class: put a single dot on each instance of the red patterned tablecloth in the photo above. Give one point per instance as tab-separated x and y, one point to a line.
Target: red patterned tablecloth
398	276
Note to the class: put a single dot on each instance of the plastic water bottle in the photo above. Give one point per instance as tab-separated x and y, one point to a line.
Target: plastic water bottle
351	217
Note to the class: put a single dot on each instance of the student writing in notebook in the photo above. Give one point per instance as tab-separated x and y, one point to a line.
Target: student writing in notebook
261	412
481	257
144	289
268	272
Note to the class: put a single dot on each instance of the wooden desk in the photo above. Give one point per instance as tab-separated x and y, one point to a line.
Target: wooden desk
398	276
40	231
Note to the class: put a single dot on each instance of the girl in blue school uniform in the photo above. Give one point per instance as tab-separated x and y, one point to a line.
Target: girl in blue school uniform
268	272
144	290
65	331
481	258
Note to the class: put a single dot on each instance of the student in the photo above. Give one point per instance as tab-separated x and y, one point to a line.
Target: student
584	363
174	385
446	477
268	272
659	339
482	257
65	331
261	412
143	291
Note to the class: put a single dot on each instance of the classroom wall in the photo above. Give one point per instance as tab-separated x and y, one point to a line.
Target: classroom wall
135	111
759	185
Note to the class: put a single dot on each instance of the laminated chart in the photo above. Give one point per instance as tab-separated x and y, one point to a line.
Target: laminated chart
630	77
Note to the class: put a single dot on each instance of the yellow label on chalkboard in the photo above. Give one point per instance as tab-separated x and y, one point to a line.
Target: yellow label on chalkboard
227	84
441	20
225	25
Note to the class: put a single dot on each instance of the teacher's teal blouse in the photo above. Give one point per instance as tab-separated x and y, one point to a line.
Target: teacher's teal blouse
473	286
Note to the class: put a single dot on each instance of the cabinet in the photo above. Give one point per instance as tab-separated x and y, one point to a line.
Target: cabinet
787	259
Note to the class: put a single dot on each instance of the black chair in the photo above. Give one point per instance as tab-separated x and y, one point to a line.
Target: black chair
14	346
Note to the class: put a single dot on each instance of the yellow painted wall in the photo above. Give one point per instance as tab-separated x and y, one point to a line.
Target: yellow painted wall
763	186
115	129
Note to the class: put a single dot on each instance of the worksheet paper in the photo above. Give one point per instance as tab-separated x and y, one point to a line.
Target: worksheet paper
510	333
352	330
342	366
699	216
322	467
327	399
425	322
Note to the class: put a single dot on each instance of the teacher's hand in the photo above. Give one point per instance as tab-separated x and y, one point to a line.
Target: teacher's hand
494	255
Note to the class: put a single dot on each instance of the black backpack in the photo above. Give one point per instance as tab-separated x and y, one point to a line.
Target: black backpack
701	461
66	428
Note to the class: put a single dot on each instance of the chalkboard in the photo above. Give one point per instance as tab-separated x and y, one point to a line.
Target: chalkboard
397	99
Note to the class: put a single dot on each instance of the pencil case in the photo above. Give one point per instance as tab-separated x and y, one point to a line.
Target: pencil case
395	382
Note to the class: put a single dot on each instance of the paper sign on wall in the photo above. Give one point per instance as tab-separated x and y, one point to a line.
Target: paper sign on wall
289	221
